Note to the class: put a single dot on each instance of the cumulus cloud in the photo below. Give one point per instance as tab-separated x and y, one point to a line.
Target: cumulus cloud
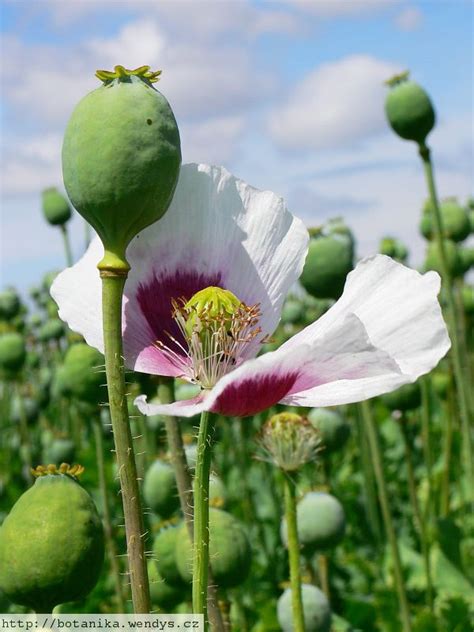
335	105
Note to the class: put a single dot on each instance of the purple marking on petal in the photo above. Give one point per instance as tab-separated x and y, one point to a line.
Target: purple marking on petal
253	394
154	299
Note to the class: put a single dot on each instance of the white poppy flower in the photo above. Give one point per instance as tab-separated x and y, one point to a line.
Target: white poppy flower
385	331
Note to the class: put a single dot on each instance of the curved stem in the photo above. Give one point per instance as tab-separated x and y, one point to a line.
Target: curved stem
112	291
457	356
67	245
109	534
294	555
426	436
201	515
372	436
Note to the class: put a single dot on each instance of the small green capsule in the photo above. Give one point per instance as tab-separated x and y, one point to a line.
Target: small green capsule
164	552
229	550
12	352
10	305
121	157
321	522
409	109
329	260
82	374
52	329
316	610
455	220
394	248
56	208
159	489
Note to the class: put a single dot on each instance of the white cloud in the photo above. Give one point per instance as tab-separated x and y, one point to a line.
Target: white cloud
214	141
409	19
337	8
335	105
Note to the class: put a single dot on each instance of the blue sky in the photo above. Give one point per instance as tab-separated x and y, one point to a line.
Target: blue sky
287	95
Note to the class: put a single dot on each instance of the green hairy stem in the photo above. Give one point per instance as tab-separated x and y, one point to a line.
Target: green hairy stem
294	555
112	292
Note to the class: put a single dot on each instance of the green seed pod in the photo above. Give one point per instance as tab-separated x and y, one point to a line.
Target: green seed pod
454	217
409	109
83	375
321	522
121	156
407	397
10	305
51	543
164	552
59	451
453	259
53	329
12	352
292	312
229	550
316	610
56	208
394	248
159	489
162	594
328	262
333	429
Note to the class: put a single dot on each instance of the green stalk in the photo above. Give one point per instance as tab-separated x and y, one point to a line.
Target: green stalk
67	245
372	436
419	522
426	436
184	484
294	555
201	516
370	492
113	281
178	455
448	450
108	530
457	356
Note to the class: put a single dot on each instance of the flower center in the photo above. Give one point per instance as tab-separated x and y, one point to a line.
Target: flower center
217	327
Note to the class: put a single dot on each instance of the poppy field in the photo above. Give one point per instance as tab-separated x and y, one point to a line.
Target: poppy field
219	410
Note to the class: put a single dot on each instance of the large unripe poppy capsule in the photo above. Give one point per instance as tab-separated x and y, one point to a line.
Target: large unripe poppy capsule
52	542
121	156
409	109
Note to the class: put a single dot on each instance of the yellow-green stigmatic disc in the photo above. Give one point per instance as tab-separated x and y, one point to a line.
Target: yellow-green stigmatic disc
121	156
51	544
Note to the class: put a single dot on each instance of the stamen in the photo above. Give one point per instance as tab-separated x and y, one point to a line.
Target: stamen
217	328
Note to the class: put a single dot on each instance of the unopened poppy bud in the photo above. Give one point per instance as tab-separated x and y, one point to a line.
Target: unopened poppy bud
56	208
409	109
121	157
290	440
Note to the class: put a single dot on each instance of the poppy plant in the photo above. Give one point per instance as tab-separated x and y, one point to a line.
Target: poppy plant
205	291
